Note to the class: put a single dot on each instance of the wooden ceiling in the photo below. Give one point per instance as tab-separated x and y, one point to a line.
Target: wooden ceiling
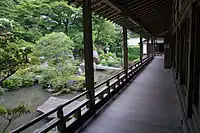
153	16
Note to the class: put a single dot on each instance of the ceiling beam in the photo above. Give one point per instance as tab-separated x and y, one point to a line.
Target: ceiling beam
139	4
111	14
95	3
149	12
100	8
149	6
105	11
121	9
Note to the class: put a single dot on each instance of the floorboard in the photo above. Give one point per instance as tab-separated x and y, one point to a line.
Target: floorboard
147	105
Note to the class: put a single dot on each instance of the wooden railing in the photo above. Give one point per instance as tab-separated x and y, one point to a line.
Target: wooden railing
158	53
103	92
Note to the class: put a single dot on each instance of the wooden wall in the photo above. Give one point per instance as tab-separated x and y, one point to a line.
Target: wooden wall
185	59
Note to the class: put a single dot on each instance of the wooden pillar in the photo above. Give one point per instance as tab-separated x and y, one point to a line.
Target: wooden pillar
148	47
167	52
152	44
125	48
191	65
155	45
88	51
141	48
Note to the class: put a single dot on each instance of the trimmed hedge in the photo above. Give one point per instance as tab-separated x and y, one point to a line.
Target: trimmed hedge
133	52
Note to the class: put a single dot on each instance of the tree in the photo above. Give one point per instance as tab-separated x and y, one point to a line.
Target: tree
47	16
12	56
12	114
59	47
6	7
104	34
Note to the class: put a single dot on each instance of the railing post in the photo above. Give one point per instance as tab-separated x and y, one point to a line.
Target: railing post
61	125
131	73
118	78
77	114
108	85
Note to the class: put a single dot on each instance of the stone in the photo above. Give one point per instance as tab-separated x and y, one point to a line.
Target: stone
54	102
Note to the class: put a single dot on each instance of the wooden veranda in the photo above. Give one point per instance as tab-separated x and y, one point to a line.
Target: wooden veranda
155	91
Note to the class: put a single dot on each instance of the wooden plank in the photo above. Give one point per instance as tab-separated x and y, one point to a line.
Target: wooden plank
141	106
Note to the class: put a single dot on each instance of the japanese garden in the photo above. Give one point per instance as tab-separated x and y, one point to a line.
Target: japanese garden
41	53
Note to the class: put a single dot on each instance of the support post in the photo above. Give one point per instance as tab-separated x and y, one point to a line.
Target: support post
191	64
148	47
125	48
141	48
88	52
167	52
152	45
61	125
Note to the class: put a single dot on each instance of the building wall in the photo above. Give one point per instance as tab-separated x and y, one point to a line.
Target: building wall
184	51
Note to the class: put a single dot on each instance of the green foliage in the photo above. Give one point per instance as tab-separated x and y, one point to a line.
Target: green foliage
137	60
22	78
33	29
12	83
76	83
133	53
61	83
6	7
1	91
59	47
109	59
12	54
11	114
105	34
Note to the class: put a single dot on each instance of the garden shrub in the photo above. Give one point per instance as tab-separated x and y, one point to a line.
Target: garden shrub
61	83
109	59
1	91
76	83
12	83
22	78
133	52
27	79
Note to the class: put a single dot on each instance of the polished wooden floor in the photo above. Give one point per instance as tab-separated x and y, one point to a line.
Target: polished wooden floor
147	105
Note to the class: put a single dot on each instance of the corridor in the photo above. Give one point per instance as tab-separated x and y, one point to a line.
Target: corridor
147	105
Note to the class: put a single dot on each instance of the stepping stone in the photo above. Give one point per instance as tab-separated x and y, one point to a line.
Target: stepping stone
54	102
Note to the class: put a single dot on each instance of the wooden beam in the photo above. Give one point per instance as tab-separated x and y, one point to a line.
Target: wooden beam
135	2
148	50
95	3
88	52
160	8
105	12
99	8
111	16
140	3
121	9
141	48
125	48
111	13
150	11
191	63
147	5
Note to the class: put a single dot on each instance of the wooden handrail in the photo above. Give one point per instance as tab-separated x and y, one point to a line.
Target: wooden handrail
77	109
39	118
